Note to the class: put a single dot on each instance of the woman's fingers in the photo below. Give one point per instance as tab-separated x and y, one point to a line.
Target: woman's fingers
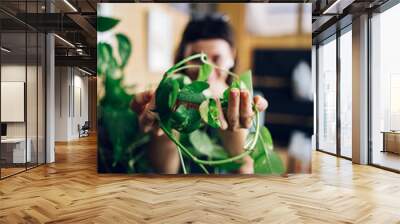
143	104
157	131
246	112
140	101
247	166
233	109
261	103
240	112
224	124
147	121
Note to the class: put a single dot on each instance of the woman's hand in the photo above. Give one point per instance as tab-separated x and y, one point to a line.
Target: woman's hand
239	113
143	104
235	122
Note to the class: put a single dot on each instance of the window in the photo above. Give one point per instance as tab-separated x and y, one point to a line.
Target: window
327	96
346	93
385	89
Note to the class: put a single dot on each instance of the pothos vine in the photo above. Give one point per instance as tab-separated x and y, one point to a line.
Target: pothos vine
174	88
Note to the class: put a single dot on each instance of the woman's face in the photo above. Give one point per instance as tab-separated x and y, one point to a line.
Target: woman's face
220	53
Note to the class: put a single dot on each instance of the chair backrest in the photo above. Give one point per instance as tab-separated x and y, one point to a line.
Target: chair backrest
86	124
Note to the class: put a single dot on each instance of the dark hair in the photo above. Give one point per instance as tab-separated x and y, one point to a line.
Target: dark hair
208	26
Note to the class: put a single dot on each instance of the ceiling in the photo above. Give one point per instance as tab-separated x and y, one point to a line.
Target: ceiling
330	15
75	22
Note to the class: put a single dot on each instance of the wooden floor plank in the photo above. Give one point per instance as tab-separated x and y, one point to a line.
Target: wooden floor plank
71	191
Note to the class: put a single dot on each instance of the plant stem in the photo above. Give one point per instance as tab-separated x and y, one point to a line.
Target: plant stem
203	58
205	61
182	162
203	168
177	65
185	67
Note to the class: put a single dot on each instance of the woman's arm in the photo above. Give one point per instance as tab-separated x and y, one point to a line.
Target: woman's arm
163	156
161	152
234	130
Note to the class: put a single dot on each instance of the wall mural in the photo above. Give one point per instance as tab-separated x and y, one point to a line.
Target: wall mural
202	116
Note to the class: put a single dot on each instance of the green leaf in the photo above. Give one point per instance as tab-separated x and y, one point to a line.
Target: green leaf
201	142
115	94
121	125
203	109
162	97
277	164
213	114
261	166
246	79
196	87
209	113
105	23
235	84
266	161
124	48
104	55
259	147
219	153
271	164
185	119
184	139
191	97
267	138
173	94
204	72
182	79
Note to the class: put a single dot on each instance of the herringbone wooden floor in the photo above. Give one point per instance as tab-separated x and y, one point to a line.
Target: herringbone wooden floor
70	191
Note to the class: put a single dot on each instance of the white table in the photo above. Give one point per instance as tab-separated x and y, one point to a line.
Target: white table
18	149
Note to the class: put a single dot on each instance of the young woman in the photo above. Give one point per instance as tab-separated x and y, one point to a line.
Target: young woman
212	35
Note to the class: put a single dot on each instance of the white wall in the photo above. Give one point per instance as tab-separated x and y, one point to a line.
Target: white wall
12	73
61	103
71	93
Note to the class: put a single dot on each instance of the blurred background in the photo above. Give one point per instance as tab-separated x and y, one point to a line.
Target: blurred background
273	40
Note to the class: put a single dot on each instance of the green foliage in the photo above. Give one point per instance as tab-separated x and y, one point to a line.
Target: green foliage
185	119
191	97
105	23
202	143
124	48
192	93
173	96
266	161
196	87
181	106
204	72
209	113
104	56
114	113
246	80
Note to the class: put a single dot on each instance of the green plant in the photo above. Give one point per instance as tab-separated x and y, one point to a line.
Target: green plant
181	106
